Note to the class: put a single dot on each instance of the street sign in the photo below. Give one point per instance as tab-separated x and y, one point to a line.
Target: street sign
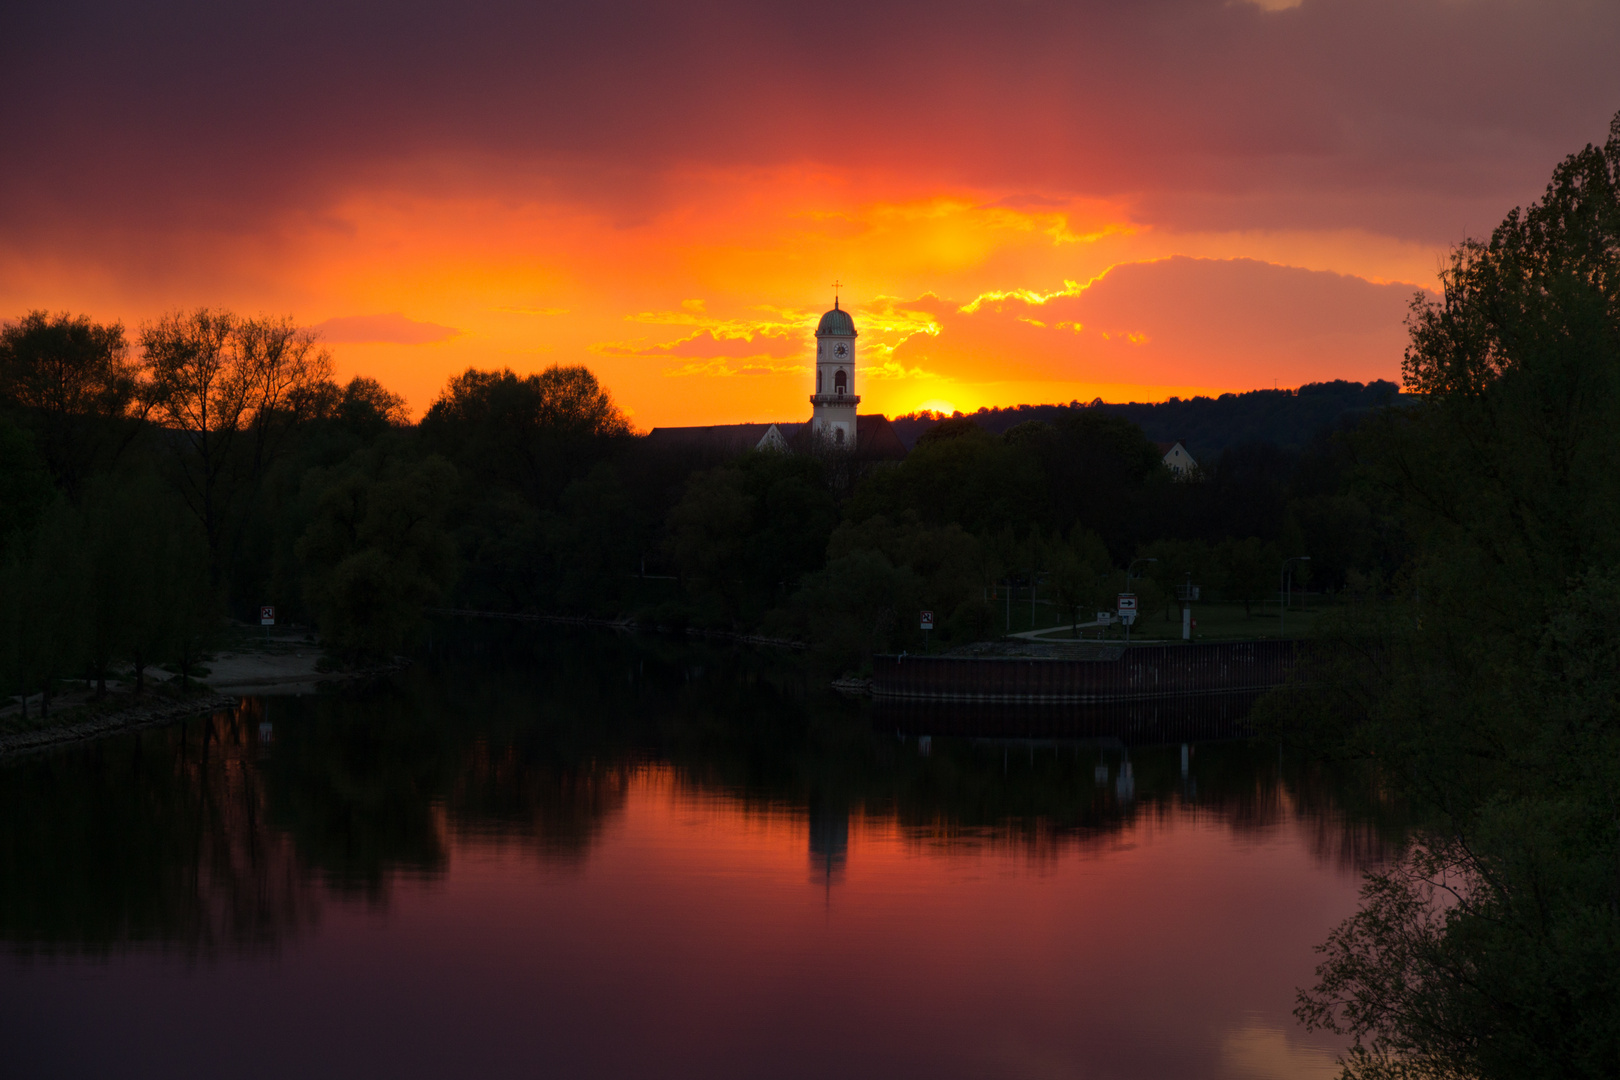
267	615
1127	602
927	620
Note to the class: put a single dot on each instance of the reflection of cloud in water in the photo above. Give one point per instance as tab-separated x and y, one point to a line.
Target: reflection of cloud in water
1259	1052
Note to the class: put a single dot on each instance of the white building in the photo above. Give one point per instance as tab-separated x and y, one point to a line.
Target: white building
833	424
1175	455
832	412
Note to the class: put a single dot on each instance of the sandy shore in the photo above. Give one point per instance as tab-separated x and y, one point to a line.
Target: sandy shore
284	671
274	665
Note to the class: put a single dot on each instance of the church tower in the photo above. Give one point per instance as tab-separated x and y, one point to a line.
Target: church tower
832	414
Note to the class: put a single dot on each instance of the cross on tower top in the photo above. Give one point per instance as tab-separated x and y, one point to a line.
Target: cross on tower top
835	295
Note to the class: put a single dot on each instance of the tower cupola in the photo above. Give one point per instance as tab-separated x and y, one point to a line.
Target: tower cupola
832	418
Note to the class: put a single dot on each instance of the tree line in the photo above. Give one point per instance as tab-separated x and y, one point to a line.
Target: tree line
1208	426
212	464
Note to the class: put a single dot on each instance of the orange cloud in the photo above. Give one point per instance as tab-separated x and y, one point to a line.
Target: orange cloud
681	171
1173	323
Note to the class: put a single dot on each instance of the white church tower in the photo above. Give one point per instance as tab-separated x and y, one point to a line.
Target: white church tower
832	415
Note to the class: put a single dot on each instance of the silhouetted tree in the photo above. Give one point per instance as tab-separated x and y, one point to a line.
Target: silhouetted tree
377	550
228	390
534	433
71	381
1488	693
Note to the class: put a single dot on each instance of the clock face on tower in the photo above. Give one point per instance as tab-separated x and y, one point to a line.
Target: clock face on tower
840	350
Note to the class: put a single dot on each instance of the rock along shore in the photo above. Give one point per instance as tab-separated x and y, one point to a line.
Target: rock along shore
150	713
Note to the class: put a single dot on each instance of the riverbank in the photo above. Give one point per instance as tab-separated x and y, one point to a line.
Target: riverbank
625	625
114	714
1030	672
250	663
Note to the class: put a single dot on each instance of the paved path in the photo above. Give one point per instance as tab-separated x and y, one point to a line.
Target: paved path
1038	635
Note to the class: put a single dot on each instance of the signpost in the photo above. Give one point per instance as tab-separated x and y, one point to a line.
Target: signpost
926	618
1127	611
267	618
1187	594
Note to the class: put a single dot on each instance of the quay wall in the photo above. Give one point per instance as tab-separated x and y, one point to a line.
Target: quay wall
1125	674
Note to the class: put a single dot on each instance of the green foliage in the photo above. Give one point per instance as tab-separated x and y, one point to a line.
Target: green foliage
1207	426
44	604
529	538
744	535
533	433
154	600
957	474
377	550
590	547
550	504
879	575
231	392
1248	571
859	604
71	381
1180	563
367	409
125	577
1489	949
1487	693
25	484
951	566
1080	571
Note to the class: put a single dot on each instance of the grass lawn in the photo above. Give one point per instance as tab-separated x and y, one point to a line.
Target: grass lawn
1216	622
1225	622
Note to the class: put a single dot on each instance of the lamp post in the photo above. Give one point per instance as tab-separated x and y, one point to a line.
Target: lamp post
1282	592
1128	570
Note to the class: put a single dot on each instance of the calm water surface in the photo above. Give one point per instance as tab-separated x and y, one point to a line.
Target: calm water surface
606	857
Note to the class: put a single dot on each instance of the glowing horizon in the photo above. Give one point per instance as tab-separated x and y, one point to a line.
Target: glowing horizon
1013	222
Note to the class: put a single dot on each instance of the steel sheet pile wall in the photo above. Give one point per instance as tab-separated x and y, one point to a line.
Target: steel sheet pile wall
1141	672
1184	718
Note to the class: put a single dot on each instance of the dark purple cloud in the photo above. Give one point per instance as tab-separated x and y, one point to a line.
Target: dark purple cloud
1414	118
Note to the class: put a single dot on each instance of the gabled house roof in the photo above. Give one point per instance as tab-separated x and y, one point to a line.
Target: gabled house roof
722	438
1176	456
875	439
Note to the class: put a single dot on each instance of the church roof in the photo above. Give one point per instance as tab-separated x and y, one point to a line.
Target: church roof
724	439
836	322
875	439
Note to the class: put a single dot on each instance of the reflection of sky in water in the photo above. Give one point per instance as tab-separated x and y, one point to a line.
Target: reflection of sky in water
633	860
690	941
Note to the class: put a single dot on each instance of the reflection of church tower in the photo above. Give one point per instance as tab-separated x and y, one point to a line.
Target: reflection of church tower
829	839
832	415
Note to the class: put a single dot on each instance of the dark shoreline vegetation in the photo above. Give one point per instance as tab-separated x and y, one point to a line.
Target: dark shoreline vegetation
1465	544
218	467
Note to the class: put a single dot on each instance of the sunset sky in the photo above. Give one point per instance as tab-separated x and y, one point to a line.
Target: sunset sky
1025	201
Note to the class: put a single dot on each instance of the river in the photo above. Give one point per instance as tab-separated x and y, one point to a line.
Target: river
578	854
